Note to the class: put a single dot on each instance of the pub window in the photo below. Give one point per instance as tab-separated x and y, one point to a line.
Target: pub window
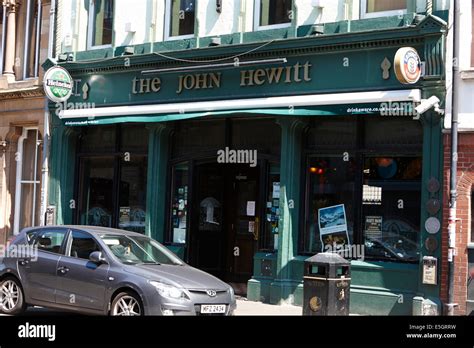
32	35
273	13
377	8
180	18
101	18
364	193
113	177
28	197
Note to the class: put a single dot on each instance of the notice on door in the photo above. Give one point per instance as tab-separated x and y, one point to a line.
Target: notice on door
250	208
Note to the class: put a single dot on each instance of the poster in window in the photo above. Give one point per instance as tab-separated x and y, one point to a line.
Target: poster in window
373	227
333	226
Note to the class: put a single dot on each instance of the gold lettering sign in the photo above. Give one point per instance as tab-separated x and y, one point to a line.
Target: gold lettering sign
296	73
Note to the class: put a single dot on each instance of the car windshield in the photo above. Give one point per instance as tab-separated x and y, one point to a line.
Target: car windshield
134	250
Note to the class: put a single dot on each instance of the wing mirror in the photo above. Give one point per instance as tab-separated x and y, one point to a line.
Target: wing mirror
97	257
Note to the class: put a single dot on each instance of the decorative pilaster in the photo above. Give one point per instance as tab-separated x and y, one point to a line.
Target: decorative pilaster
290	204
156	180
9	72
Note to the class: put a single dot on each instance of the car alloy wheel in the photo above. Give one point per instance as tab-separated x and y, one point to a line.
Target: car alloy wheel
11	297
126	305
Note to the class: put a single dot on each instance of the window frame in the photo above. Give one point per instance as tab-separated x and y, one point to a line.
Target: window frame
167	28
19	179
359	151
364	14
90	27
256	19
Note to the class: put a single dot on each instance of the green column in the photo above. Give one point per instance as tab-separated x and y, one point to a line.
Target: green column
62	172
432	169
156	180
283	288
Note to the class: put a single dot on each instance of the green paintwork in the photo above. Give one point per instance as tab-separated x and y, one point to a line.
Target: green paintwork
323	110
376	286
156	181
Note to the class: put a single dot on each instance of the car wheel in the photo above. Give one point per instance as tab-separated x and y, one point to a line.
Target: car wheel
126	304
12	300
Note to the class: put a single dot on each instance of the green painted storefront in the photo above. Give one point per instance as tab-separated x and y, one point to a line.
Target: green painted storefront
345	61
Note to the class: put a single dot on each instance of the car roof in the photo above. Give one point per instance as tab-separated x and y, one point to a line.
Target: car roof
95	230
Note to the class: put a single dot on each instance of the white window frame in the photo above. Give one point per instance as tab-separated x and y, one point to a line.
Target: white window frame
167	30
364	14
90	27
19	179
256	19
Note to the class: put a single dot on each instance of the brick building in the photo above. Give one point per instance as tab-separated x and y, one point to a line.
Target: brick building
463	106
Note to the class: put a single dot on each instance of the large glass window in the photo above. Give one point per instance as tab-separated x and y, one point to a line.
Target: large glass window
113	177
391	202
101	18
180	17
372	8
331	182
27	206
366	191
276	13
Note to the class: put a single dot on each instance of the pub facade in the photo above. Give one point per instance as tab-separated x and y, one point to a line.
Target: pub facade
240	157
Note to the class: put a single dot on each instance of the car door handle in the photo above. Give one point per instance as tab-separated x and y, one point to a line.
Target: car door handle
24	262
63	270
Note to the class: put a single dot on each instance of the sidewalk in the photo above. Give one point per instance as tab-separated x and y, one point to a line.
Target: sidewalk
245	307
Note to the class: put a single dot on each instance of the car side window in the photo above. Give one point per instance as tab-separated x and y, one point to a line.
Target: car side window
82	245
50	240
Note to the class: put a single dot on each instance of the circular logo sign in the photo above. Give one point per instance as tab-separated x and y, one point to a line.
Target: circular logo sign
407	65
57	84
432	225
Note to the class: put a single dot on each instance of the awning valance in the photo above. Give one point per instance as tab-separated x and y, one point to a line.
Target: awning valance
301	105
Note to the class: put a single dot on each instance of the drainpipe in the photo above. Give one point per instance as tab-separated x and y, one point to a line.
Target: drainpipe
429	7
453	178
46	131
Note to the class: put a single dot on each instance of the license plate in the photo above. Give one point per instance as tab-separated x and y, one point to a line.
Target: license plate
212	309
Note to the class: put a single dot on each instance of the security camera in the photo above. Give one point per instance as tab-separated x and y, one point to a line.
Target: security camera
426	104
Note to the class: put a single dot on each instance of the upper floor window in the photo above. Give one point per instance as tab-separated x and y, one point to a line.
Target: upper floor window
180	18
273	13
377	8
101	18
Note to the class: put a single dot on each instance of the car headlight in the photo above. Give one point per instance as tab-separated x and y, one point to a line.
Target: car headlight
231	292
169	291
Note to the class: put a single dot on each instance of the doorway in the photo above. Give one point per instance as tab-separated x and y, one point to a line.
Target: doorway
225	227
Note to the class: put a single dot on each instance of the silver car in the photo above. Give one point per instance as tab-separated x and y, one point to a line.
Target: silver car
105	271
